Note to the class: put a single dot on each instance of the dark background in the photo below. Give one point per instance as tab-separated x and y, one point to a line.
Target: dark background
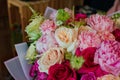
5	47
104	5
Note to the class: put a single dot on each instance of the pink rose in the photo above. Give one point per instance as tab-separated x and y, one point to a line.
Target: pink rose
62	72
89	39
47	26
100	23
88	76
45	42
116	33
108	57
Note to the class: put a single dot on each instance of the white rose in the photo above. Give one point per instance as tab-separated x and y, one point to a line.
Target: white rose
67	38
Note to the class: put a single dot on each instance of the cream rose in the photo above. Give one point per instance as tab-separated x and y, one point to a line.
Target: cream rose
108	77
50	57
67	38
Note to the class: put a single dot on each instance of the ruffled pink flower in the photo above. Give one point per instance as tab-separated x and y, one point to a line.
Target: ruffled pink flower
47	26
105	35
100	23
45	42
89	39
108	57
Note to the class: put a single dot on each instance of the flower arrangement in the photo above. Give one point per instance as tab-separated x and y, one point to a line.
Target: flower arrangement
74	47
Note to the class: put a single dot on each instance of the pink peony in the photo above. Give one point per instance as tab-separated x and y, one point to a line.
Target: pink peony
108	57
89	39
100	23
47	26
105	35
45	42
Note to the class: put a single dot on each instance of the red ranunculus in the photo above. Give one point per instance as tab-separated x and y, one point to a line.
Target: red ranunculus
89	65
80	16
116	33
61	72
88	55
78	52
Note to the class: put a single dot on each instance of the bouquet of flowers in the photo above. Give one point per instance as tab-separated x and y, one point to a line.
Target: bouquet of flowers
68	46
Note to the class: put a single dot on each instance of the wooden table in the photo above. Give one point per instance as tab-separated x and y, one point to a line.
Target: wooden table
19	12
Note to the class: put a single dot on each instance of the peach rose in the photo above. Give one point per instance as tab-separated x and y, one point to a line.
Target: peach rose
67	38
108	77
50	57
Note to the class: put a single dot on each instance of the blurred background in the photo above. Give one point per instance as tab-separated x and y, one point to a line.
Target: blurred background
15	15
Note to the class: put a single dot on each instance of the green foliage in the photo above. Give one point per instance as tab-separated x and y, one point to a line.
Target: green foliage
32	29
76	62
62	15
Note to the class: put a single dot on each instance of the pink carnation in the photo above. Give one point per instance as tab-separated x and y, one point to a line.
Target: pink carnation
100	23
106	36
45	42
108	56
48	26
89	39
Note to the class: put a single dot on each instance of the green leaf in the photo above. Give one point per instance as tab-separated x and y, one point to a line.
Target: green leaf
33	30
